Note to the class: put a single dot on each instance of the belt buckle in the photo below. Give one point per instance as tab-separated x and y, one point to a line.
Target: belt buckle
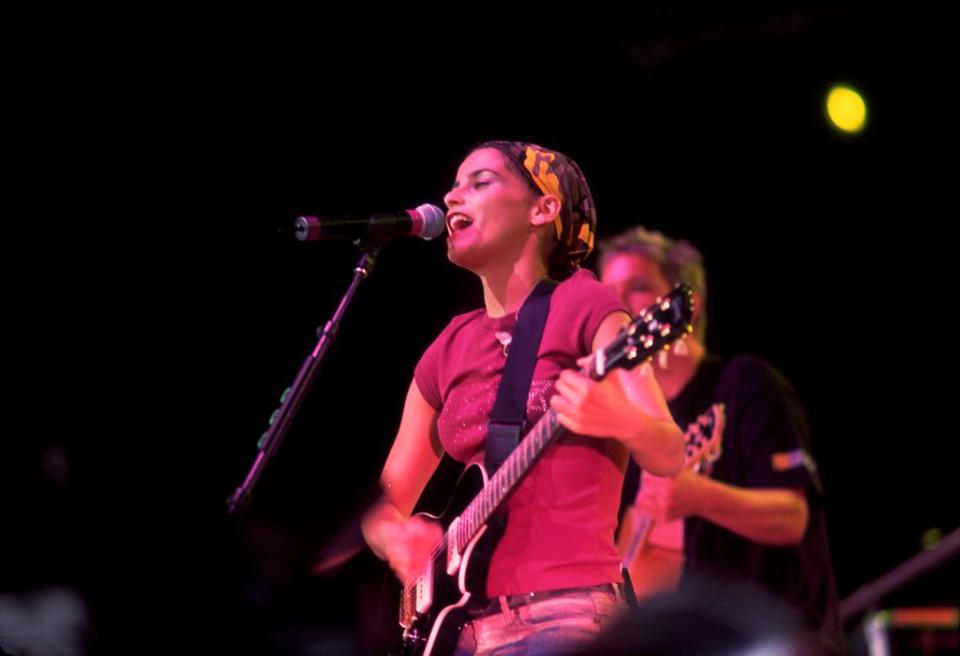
528	598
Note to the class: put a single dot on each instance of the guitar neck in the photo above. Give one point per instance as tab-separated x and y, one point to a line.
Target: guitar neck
507	477
638	538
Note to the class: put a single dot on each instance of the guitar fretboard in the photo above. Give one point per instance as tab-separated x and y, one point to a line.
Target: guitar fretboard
506	478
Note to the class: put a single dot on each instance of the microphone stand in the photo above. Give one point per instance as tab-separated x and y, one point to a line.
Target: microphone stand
293	396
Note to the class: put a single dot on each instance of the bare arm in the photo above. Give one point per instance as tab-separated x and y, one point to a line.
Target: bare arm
627	406
775	516
768	515
413	458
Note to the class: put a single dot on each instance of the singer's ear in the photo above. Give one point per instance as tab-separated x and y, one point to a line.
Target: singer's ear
545	210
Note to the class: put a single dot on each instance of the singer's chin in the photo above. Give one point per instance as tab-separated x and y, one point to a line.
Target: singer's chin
459	256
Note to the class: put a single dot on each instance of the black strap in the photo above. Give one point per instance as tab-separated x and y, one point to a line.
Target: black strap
629	594
508	419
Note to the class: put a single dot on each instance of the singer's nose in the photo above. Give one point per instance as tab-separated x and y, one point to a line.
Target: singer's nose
452	198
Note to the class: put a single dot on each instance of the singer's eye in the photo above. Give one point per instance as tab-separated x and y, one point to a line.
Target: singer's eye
480	183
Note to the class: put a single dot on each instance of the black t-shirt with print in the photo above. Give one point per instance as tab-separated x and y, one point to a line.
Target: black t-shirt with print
765	444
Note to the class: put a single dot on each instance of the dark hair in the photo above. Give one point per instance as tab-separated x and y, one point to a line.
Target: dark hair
550	171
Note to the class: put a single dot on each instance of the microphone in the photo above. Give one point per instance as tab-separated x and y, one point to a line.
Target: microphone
426	221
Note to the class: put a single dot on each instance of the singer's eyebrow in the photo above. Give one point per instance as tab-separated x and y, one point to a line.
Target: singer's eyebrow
474	174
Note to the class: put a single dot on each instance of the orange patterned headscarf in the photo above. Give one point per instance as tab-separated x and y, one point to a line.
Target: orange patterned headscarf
552	172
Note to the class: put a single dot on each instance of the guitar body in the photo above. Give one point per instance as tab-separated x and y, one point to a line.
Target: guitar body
433	611
653	568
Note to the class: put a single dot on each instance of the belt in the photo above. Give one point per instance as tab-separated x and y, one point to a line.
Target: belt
491	606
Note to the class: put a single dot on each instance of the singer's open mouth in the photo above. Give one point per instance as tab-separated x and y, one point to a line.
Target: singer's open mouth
458	222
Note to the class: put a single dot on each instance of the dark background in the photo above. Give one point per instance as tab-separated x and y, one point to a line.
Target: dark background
161	313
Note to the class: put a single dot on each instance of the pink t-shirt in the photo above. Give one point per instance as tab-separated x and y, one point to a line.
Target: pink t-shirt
563	515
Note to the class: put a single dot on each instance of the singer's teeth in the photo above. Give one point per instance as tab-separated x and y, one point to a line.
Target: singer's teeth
459	222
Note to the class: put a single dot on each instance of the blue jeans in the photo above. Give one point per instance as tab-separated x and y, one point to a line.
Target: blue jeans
555	625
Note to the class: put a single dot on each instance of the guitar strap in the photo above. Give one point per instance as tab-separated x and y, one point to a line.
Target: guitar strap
509	417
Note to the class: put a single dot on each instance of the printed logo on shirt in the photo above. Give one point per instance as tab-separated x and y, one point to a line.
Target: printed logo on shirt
791	460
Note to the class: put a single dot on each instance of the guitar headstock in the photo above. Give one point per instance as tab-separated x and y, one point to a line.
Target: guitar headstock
653	330
703	439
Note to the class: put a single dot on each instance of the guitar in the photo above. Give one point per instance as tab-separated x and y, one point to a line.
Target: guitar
656	568
433	606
